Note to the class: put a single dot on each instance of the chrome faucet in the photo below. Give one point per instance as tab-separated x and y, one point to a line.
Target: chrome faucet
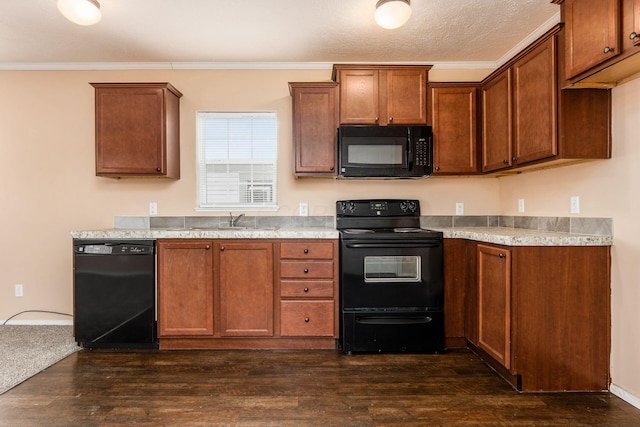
233	221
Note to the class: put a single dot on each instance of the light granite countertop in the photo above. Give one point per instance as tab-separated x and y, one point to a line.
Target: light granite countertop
524	237
214	233
498	235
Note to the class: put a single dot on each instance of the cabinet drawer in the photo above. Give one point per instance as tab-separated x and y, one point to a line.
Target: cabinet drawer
306	318
306	269
306	250
307	288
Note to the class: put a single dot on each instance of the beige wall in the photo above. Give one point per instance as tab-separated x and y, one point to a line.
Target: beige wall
48	185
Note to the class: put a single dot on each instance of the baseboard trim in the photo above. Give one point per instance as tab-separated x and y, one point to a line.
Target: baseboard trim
625	395
37	322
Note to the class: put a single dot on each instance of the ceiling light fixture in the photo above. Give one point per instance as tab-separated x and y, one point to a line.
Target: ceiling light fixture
391	14
81	12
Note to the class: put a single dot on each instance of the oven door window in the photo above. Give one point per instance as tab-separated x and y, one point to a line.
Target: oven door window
392	269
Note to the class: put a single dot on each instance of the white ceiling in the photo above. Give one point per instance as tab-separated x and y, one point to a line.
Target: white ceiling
203	33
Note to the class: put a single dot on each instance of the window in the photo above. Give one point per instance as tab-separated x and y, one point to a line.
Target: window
237	161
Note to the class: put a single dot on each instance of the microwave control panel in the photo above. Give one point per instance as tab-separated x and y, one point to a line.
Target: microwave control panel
422	152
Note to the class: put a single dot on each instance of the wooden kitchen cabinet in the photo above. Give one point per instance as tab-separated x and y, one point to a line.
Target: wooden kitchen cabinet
185	288
593	33
497	119
245	288
382	95
315	128
455	129
137	129
528	121
494	303
309	289
603	41
543	315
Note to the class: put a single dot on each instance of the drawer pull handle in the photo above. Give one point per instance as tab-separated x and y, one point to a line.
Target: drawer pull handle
306	289
306	270
306	320
306	251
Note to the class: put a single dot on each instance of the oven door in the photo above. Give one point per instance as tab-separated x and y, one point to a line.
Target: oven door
391	274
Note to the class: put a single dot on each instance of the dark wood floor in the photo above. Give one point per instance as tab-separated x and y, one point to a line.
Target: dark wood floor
291	388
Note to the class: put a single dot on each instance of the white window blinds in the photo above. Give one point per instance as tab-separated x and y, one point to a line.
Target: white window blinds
237	161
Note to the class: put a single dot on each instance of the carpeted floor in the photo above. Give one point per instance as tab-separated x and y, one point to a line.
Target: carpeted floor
26	350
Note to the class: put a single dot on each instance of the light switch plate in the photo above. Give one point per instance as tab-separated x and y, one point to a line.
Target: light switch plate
153	208
459	208
520	205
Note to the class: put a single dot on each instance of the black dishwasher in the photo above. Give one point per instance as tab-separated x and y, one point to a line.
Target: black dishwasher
114	293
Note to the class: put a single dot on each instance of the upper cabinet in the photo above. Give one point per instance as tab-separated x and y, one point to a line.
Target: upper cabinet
137	130
528	119
315	124
455	128
382	95
603	38
593	28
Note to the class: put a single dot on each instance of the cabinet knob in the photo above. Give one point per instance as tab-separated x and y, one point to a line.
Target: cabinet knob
501	255
306	270
608	49
634	35
390	119
221	248
506	162
437	168
377	119
207	247
306	289
306	320
332	168
158	169
306	251
514	158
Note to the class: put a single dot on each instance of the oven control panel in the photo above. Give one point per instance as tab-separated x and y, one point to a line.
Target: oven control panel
377	208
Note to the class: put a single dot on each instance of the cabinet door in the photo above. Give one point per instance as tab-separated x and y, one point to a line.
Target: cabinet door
630	25
406	96
497	123
359	97
494	303
245	285
593	29
315	124
454	130
185	288
535	102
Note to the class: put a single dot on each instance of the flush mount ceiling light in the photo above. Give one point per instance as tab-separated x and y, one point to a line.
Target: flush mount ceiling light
81	12
391	14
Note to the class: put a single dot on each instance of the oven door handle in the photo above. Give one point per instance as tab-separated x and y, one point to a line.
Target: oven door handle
393	245
394	320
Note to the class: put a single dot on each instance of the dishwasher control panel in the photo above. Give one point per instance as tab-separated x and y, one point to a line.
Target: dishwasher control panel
113	249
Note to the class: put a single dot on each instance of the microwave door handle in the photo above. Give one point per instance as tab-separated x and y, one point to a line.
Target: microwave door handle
408	152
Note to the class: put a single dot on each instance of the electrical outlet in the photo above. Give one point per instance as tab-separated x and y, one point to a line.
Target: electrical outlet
153	208
18	290
520	205
459	208
575	204
304	209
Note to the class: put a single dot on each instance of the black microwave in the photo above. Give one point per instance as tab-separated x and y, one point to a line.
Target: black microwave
385	151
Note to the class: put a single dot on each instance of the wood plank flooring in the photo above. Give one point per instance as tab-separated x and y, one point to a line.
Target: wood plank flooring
291	388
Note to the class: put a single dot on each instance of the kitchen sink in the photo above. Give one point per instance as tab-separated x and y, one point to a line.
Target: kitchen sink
233	228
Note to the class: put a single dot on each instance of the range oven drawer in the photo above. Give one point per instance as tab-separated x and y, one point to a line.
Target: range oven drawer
392	332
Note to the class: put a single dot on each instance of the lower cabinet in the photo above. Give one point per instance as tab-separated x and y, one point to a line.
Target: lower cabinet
247	293
494	303
543	315
185	288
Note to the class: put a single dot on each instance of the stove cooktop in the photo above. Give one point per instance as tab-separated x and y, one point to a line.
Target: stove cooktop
390	233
